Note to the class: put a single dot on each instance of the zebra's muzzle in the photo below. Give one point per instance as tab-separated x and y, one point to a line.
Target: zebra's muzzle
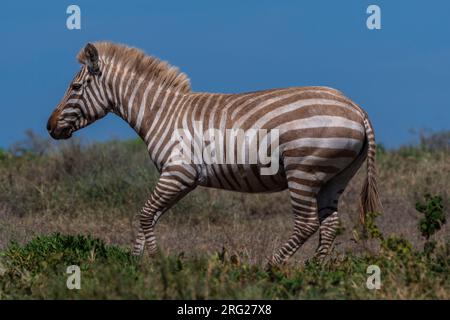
58	132
61	133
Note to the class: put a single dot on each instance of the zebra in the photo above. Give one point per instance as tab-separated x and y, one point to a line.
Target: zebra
324	138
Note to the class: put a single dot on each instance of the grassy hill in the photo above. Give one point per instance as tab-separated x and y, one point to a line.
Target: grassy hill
78	204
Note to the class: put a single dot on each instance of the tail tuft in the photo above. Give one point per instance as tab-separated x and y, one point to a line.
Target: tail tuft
370	200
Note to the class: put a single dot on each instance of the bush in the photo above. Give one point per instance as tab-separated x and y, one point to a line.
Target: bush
433	210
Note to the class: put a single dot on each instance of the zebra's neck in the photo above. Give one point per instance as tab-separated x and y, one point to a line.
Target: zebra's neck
147	106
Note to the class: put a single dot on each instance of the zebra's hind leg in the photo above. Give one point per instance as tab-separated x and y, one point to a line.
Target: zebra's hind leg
328	231
328	200
168	191
306	219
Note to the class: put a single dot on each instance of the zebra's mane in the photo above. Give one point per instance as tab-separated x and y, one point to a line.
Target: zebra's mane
142	64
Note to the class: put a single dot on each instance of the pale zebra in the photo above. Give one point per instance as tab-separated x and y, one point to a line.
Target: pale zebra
323	138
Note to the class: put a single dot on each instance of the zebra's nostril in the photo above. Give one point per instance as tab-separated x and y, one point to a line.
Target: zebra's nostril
48	125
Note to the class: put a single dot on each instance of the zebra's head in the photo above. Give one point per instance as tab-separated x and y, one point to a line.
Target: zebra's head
83	102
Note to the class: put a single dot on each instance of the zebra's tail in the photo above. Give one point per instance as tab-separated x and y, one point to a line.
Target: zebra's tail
370	200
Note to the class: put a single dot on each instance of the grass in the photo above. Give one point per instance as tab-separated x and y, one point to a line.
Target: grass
38	270
77	204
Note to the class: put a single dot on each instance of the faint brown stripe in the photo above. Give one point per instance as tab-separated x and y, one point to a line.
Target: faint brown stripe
322	132
261	97
305	182
303	192
311	168
320	152
311	111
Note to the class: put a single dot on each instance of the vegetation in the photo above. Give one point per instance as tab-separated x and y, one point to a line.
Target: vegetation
38	270
76	204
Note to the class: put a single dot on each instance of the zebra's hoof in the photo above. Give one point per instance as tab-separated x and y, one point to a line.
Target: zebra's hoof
317	259
272	266
152	253
136	253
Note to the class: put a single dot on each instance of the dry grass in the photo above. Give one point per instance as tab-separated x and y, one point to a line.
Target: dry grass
98	190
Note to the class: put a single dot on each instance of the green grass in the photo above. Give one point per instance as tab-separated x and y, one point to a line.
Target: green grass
37	270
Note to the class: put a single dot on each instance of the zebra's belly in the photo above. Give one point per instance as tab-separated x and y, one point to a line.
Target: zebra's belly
243	178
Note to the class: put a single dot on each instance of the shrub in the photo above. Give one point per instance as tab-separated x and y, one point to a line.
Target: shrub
434	216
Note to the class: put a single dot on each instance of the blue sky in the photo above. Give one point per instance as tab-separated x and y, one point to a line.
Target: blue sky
400	74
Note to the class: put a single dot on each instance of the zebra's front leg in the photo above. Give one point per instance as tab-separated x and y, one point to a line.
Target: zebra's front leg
168	191
139	242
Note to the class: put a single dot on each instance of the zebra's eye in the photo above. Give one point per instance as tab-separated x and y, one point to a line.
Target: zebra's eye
76	86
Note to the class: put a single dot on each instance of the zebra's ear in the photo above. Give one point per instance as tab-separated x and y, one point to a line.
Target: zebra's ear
91	53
